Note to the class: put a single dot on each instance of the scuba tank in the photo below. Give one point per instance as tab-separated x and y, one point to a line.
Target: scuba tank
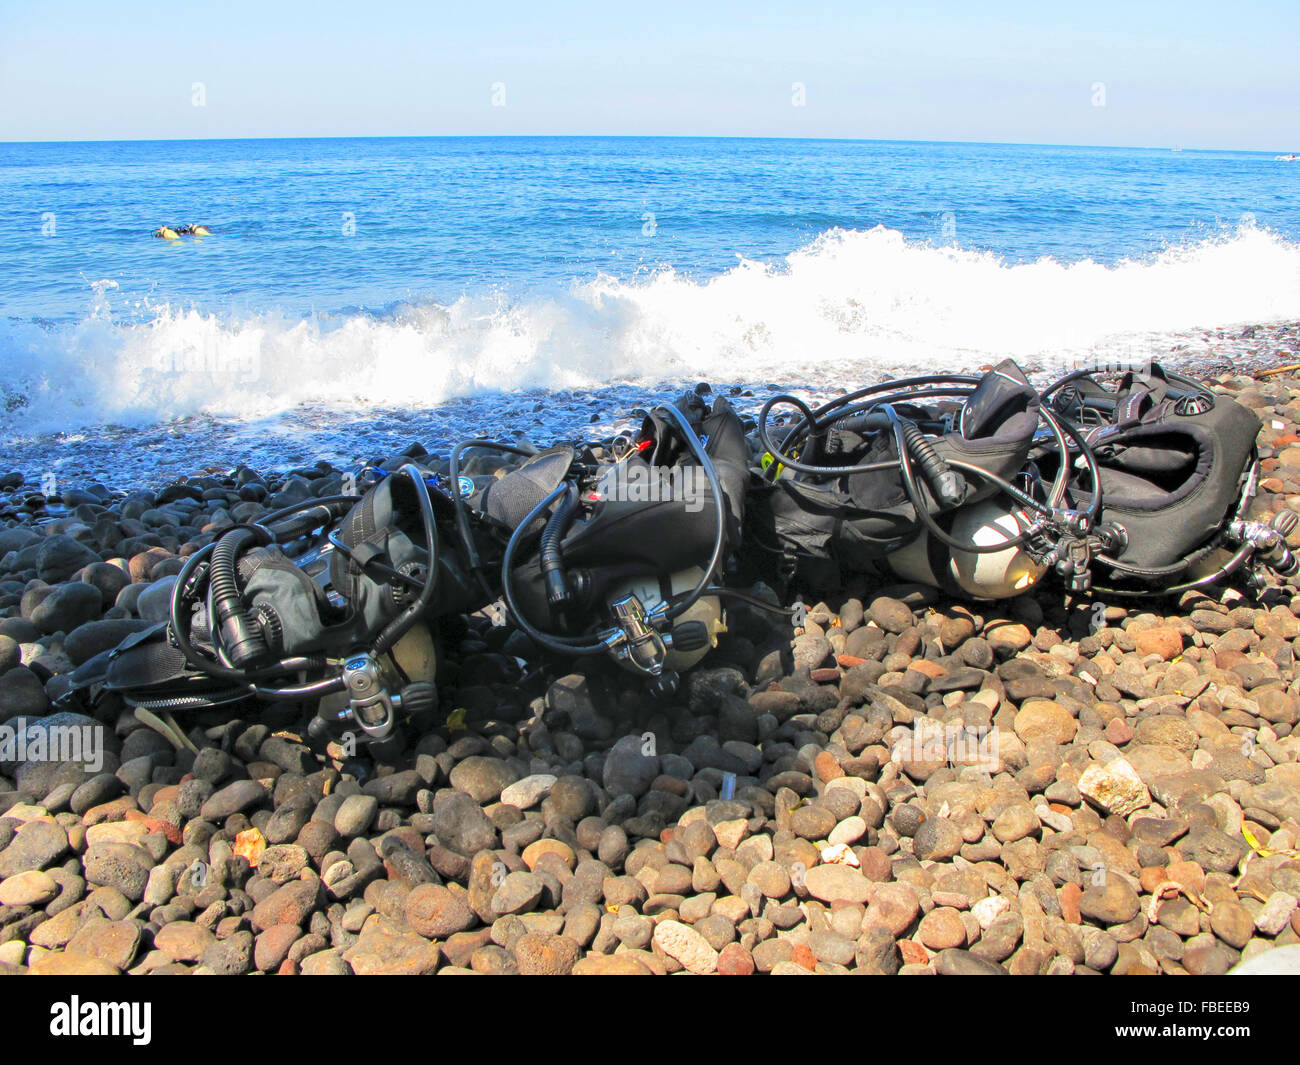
925	479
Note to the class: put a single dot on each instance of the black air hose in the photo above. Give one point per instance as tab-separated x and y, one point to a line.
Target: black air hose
946	485
240	634
565	645
552	559
913	491
398	627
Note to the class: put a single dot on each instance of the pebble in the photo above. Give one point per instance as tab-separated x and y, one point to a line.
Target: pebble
1271	920
436	912
1111	903
687	946
1115	788
527	793
831	883
32	888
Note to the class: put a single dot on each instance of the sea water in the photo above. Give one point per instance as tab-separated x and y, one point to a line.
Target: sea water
358	294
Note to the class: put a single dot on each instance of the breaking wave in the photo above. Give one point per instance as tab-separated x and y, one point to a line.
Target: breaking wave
851	301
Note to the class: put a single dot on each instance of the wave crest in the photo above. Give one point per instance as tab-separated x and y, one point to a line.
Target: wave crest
851	300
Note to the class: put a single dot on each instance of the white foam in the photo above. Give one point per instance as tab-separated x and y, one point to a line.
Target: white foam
850	302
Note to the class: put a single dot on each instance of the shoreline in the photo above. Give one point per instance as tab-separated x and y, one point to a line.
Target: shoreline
307	433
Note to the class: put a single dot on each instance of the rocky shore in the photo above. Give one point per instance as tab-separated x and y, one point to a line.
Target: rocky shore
906	784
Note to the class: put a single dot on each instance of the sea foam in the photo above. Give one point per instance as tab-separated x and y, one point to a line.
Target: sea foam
848	305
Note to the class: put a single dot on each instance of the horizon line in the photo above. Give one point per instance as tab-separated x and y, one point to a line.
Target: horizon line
639	136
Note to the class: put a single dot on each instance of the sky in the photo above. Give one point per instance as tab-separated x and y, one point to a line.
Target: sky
1187	74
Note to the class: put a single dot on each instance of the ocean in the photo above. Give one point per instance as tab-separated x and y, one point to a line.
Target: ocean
357	294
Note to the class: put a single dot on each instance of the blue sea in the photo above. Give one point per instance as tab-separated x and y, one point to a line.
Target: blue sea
358	292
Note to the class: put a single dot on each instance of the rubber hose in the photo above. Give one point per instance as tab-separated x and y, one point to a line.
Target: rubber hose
719	510
179	619
571	646
945	484
551	555
241	635
923	512
397	628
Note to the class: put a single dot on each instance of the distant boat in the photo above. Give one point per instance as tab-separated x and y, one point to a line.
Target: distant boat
1286	158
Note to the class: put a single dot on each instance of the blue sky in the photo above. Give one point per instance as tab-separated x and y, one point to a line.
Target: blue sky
1191	74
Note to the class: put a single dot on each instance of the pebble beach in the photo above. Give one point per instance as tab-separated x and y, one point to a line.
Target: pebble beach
1132	805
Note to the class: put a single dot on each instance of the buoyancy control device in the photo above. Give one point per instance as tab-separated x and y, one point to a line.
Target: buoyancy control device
1175	474
327	600
925	479
624	555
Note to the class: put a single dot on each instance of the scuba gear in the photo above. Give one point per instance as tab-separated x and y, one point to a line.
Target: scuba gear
1150	482
265	610
853	501
640	539
1178	470
979	485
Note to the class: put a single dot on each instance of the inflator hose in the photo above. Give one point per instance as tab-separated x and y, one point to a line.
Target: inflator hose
551	556
572	646
241	635
719	511
945	484
398	627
